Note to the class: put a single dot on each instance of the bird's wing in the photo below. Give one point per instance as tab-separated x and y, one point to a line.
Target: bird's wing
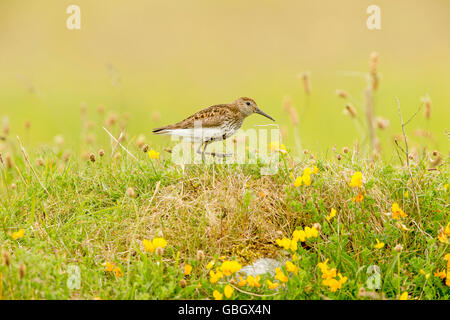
211	117
201	126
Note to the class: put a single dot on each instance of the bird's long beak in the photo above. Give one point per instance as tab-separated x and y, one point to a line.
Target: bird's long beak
259	111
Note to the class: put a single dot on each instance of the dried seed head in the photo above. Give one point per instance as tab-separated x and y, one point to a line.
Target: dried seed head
92	157
159	251
156	116
145	148
5	128
66	156
435	153
434	163
183	283
9	161
101	152
101	109
90	139
351	110
293	115
13	186
40	162
375	81
374	62
130	192
83	108
200	255
410	156
287	103
382	123
317	226
398	248
342	93
339	157
427	104
27	124
6	258
90	124
22	271
140	141
306	81
345	150
111	120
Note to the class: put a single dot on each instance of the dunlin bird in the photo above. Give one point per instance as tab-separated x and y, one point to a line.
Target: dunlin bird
215	123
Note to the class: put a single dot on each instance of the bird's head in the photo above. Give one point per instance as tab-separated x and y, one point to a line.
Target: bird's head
248	106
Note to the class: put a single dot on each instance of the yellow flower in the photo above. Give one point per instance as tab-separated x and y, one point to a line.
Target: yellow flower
159	243
276	146
148	245
440	274
404	296
447	229
306	179
379	244
151	246
315	170
109	266
187	269
215	276
217	295
307	171
118	272
332	283
342	279
228	291
152	154
397	212
331	215
406	194
356	180
18	234
329	273
210	265
299	235
298	182
443	237
285	243
323	266
358	198
242	282
279	275
447	257
291	267
254	281
229	267
329	276
272	285
311	232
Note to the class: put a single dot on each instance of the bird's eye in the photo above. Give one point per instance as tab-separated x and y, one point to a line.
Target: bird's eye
248	103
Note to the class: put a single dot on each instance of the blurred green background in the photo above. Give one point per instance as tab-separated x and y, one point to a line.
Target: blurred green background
158	61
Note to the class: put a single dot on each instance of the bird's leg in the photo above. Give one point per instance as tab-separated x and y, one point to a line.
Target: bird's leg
200	151
216	154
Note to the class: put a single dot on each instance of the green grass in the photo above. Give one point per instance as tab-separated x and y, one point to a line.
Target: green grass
87	219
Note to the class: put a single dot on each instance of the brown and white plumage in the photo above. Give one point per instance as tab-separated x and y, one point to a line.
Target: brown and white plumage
214	123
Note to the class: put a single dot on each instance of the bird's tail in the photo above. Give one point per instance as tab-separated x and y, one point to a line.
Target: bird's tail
161	130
